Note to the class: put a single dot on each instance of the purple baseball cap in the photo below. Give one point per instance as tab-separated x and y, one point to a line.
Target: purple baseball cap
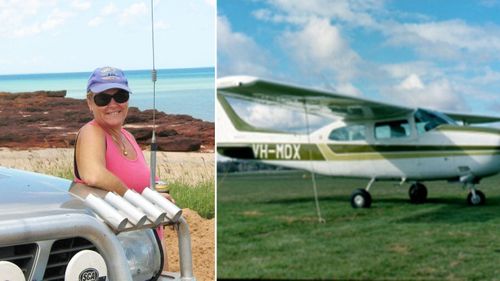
105	78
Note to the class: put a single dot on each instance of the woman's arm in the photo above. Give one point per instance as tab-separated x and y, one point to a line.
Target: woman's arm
91	160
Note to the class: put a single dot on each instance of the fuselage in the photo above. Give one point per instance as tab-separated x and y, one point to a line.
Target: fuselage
395	149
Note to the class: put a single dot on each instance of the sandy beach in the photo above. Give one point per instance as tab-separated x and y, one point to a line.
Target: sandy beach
187	167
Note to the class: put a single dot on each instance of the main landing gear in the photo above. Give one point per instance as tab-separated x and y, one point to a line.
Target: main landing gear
417	193
361	198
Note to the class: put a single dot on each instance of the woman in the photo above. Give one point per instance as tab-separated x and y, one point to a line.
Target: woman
106	155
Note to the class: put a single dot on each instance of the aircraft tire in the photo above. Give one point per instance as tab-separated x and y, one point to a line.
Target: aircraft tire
418	193
481	197
361	198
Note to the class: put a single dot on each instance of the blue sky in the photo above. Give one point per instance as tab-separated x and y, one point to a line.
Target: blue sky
435	54
45	36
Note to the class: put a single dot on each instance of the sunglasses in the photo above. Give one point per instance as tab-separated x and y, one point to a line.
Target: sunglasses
103	99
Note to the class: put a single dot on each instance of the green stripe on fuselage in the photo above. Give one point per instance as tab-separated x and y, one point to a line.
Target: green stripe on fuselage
349	148
345	152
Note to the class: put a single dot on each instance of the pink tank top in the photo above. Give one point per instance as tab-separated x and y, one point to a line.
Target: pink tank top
134	173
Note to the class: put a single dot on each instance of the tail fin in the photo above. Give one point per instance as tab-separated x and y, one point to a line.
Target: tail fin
226	128
230	124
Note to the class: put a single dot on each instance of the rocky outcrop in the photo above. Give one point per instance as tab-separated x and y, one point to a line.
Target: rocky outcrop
44	119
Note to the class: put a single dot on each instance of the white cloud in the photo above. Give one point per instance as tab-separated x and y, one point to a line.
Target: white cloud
109	9
437	94
319	47
95	22
263	14
239	53
448	40
351	12
55	19
348	89
25	26
411	82
106	12
132	12
28	7
404	69
81	5
25	18
211	2
488	77
161	25
437	63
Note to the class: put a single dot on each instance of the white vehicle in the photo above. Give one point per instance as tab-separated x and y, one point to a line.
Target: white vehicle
368	139
54	229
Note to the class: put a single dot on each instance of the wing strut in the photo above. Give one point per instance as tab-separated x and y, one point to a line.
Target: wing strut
313	174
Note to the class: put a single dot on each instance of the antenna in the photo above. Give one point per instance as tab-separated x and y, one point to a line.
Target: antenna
154	145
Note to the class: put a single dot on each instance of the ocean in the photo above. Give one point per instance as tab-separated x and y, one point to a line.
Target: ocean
188	91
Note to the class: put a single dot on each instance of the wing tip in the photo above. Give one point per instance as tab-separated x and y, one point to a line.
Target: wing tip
235	81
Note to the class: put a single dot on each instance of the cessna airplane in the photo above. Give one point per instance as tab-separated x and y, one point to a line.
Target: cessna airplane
369	139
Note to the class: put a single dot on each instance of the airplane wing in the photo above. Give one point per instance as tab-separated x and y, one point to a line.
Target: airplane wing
320	102
323	102
472	119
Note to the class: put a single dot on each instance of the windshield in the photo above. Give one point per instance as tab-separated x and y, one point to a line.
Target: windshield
427	120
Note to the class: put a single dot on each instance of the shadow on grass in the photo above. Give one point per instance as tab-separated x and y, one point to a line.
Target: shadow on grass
452	210
455	211
303	199
430	201
459	202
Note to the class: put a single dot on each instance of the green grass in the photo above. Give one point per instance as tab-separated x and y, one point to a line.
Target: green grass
200	198
267	228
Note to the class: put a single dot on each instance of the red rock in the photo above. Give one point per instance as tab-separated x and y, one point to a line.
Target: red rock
179	144
48	119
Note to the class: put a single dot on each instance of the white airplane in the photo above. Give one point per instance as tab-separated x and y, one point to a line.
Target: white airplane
370	139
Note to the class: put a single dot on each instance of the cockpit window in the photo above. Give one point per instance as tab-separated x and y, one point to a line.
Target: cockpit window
426	120
348	133
392	129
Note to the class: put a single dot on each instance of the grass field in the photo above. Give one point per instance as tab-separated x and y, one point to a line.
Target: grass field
267	228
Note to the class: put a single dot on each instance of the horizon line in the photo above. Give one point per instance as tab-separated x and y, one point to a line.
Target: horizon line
90	71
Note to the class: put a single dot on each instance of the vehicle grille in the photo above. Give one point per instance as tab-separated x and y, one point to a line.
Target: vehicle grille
61	253
21	255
